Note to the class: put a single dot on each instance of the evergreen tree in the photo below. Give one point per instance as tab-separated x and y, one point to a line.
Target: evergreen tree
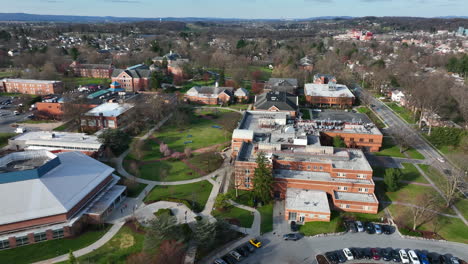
164	227
204	233
392	179
71	258
222	78
74	53
164	64
338	142
263	179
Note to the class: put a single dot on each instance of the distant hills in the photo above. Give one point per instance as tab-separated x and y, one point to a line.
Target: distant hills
23	17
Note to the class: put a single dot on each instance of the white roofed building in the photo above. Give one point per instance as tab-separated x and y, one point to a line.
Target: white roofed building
49	195
107	115
328	94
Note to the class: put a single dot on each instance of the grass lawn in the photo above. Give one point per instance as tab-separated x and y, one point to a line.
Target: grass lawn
4	138
29	121
134	189
305	113
402	112
195	194
410	173
244	197
414	154
448	228
6	74
266	213
314	228
125	243
238	216
264	69
389	148
86	80
374	118
408	193
239	106
166	170
50	249
208	162
150	150
364	217
200	133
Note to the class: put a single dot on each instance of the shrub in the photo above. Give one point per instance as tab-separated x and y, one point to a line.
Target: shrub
407	232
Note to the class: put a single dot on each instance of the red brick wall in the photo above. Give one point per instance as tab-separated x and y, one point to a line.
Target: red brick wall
34	222
309	216
38	88
339	101
357	140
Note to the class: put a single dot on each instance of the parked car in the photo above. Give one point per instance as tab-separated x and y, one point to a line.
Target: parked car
413	257
378	229
386	254
367	253
243	251
235	255
229	259
360	226
423	258
332	257
375	254
444	259
249	247
434	258
395	255
294	226
291	236
219	261
348	254
350	226
20	130
370	228
357	253
341	256
454	260
386	229
404	256
255	243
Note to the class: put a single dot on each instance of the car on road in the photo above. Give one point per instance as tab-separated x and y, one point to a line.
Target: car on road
294	226
370	228
254	242
404	256
454	260
235	255
332	257
413	257
386	254
219	261
291	236
375	254
378	229
351	226
16	112
441	160
348	254
360	226
423	258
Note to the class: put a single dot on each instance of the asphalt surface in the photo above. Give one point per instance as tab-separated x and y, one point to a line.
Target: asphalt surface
7	118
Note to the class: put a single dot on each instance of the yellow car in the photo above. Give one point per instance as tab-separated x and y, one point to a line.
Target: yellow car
255	243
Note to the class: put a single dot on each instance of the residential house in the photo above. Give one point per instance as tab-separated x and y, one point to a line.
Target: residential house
210	95
288	85
241	95
277	102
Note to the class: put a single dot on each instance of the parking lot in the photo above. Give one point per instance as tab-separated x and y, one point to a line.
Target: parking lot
8	116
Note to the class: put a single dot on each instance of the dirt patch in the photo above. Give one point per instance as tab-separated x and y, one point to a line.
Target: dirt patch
233	221
431	235
135	227
127	241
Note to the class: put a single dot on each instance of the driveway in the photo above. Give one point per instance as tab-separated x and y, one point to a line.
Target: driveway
278	251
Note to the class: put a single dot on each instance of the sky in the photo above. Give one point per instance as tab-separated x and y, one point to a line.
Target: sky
282	9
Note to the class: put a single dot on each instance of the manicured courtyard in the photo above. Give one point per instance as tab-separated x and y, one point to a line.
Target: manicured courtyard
235	215
390	149
266	213
194	195
52	248
167	170
314	228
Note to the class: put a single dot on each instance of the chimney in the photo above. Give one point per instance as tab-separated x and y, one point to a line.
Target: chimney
216	84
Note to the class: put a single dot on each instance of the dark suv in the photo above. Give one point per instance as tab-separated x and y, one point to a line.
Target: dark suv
294	226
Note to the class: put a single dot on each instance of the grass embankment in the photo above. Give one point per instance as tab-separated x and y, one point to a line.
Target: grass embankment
235	215
373	117
266	212
402	112
314	228
194	195
50	249
390	149
4	138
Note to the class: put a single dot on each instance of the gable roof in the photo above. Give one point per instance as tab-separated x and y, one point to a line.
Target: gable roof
241	92
291	82
209	91
281	100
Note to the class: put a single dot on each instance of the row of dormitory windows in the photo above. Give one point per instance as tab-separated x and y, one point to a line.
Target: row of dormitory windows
38	237
371	140
345	188
309	167
93	123
347	206
343	175
247	182
63	147
293	216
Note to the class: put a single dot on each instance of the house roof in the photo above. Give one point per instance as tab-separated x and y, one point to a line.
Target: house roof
324	90
136	71
209	91
281	100
55	192
109	109
241	92
307	200
289	82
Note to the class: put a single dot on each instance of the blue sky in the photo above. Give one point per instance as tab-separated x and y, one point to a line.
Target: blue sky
239	8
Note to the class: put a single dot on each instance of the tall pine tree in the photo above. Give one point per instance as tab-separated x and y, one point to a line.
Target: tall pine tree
263	179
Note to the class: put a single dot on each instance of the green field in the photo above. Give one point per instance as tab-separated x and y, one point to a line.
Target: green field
266	212
239	216
194	195
167	171
410	173
50	249
4	138
315	228
85	81
6	74
208	161
389	148
133	190
125	243
402	112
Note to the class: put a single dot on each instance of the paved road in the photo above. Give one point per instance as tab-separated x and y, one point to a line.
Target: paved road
7	117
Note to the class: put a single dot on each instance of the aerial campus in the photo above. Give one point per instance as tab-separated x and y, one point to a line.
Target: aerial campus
206	140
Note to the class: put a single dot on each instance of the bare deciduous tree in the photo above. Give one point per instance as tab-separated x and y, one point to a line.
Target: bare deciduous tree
424	209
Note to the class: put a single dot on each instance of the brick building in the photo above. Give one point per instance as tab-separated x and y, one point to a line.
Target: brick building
288	85
277	102
299	162
38	87
91	70
241	95
175	62
134	78
53	196
328	94
210	95
107	115
306	64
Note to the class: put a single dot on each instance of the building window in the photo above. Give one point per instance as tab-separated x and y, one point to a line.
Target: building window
341	174
247	185
342	188
320	168
40	237
371	140
292	216
346	206
315	167
361	176
247	171
22	240
361	140
4	244
308	167
363	190
247	179
111	123
351	139
57	233
366	208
